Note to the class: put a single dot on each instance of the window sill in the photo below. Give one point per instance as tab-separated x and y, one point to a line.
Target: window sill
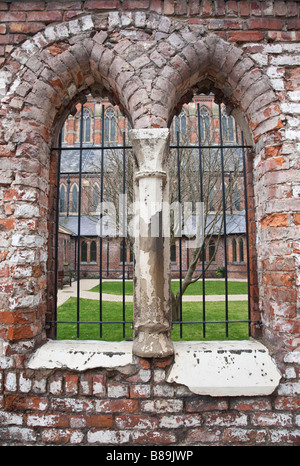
215	368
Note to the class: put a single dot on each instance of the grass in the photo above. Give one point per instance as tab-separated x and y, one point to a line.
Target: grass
212	287
113	311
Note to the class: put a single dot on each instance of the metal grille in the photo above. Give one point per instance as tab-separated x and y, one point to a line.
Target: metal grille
90	162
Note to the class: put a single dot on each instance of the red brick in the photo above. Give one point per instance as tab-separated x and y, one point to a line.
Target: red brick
25	28
46	16
265	23
12	17
244	8
102	4
169	7
115	406
71	384
293	24
27	6
274	220
245	36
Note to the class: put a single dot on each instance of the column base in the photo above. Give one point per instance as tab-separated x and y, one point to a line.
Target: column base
152	345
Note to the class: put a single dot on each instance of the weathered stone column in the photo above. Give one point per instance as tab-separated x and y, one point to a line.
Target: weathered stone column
152	277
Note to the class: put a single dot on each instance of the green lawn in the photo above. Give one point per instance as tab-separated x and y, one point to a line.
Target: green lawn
212	287
112	311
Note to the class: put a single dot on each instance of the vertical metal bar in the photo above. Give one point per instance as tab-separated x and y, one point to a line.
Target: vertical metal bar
201	199
180	232
101	222
79	221
247	232
124	244
224	219
56	236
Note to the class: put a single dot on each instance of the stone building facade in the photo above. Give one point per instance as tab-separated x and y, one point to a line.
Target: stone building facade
149	57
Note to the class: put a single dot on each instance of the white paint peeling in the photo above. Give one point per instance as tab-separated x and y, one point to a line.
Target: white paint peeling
224	368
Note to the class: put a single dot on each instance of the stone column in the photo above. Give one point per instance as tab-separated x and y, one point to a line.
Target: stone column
152	274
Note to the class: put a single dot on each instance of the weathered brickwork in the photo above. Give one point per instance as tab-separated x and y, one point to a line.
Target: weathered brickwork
148	56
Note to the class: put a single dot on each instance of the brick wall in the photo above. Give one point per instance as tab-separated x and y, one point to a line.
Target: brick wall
146	55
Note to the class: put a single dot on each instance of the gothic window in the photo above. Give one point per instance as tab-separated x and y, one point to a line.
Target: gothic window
87	125
96	197
93	251
173	253
227	128
211	250
62	199
83	251
110	125
241	247
204	124
74	198
180	123
234	256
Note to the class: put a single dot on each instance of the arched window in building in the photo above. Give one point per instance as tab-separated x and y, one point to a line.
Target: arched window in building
241	249
211	250
96	197
180	124
227	128
93	252
205	124
236	198
110	125
74	198
234	255
173	252
87	125
83	251
62	199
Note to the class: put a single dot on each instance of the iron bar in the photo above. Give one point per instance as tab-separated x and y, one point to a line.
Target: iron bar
79	221
224	219
201	200
101	220
123	240
180	232
247	233
56	237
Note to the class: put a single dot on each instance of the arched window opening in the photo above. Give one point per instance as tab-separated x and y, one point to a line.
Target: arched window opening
83	251
234	254
74	199
93	251
202	174
205	127
110	125
62	199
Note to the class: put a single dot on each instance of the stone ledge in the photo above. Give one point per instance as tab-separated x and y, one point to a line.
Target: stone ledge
82	355
224	368
215	368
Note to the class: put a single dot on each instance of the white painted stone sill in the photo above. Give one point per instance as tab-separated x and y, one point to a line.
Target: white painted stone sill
215	368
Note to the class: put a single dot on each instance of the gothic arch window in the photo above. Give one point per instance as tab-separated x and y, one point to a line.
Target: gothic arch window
227	127
234	252
96	197
83	251
110	117
241	249
62	199
93	252
74	197
211	250
87	125
180	125
205	119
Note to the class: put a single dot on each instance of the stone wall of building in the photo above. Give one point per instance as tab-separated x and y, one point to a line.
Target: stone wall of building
149	57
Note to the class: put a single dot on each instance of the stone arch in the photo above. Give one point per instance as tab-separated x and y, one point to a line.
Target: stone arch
150	80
